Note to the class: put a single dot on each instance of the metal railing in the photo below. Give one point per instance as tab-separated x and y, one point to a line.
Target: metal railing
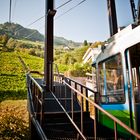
114	119
36	98
84	105
70	118
35	105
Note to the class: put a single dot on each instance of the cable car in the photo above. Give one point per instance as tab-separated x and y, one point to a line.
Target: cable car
118	77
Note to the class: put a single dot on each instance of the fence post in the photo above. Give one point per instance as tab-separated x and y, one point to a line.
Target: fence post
115	130
87	105
82	110
42	106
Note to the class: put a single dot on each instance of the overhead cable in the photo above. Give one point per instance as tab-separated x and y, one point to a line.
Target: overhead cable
70	9
63	4
14	7
30	34
19	29
57	16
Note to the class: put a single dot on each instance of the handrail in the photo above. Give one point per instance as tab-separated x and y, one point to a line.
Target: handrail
35	82
32	110
39	129
116	121
81	85
106	113
57	73
34	120
37	72
76	127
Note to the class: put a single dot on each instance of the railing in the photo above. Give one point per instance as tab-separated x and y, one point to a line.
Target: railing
83	103
35	105
114	119
71	118
36	98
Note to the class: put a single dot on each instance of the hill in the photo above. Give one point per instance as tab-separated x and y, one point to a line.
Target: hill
17	31
61	41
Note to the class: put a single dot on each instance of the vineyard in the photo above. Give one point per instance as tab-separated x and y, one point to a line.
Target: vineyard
13	94
12	74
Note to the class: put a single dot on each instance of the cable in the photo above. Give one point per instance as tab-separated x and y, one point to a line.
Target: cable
36	20
30	34
63	4
14	7
70	9
57	16
17	30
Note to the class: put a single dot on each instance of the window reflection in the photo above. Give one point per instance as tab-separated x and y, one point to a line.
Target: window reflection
111	80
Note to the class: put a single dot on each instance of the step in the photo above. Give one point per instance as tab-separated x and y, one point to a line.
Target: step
60	117
60	125
51	105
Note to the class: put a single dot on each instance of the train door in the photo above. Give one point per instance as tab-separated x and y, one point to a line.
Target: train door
133	70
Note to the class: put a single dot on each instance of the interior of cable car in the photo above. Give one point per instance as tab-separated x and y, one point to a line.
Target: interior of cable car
133	68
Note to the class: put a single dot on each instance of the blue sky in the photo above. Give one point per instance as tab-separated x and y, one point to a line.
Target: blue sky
88	21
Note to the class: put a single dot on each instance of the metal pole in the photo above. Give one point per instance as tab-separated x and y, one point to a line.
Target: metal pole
112	17
134	14
10	11
48	53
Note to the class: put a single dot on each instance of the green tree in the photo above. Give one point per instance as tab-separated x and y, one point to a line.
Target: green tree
32	52
85	43
11	44
79	53
96	44
4	40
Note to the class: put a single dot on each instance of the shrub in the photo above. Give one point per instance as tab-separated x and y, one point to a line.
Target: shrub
32	52
14	120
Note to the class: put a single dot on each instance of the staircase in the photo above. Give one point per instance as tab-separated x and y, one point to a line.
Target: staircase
60	115
57	125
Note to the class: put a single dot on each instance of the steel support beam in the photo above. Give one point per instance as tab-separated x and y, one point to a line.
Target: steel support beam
134	14
112	17
48	52
10	11
138	13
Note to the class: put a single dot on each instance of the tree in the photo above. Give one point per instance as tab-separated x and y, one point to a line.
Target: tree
11	44
32	52
96	44
79	53
85	43
4	40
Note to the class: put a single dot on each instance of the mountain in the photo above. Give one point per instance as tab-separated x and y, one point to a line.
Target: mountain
17	31
61	41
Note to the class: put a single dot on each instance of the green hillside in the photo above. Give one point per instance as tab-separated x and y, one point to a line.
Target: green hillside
16	31
12	74
19	32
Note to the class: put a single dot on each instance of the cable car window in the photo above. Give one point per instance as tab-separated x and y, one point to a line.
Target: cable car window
111	80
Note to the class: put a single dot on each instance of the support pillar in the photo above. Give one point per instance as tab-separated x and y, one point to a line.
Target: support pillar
48	52
112	17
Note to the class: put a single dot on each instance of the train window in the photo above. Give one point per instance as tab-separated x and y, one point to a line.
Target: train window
111	80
